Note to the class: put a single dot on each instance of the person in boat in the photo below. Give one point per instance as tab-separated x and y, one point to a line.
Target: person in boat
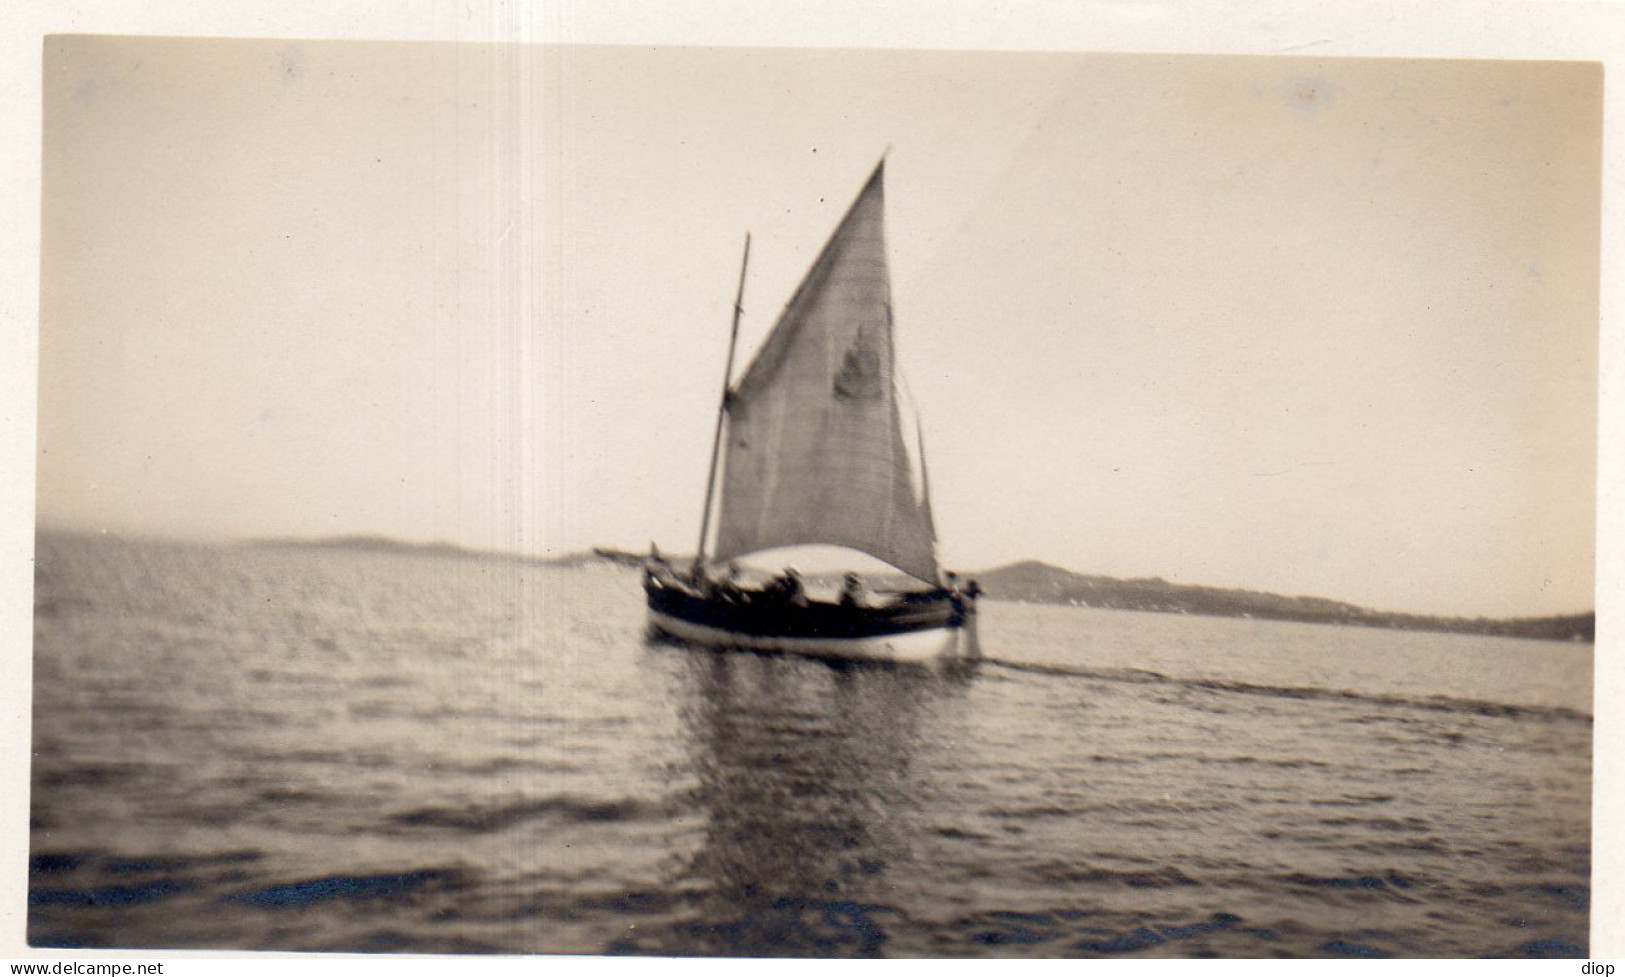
701	581
728	587
852	591
788	588
656	570
961	596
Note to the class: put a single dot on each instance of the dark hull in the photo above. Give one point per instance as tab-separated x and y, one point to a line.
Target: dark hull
915	627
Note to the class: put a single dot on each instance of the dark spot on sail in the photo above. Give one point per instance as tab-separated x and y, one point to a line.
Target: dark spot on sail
860	378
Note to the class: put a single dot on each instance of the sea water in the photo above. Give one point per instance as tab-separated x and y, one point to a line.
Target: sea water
287	748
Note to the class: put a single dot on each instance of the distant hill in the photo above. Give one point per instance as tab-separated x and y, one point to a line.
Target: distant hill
369	544
626	559
1042	583
383	544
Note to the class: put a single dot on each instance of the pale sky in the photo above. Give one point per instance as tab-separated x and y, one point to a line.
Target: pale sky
1314	326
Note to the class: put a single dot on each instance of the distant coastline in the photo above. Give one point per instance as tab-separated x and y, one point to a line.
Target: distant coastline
384	544
1040	583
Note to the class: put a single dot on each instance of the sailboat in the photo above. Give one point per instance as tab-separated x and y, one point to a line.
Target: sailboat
813	452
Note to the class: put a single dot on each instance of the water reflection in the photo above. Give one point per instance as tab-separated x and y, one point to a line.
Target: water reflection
802	772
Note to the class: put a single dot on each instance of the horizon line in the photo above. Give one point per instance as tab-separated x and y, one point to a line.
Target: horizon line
590	550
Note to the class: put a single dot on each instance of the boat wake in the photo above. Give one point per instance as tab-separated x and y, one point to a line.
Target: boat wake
1439	703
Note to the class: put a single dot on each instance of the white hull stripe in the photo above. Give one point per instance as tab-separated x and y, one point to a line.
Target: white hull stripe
928	645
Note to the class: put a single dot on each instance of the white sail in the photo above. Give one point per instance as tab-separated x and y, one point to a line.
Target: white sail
815	450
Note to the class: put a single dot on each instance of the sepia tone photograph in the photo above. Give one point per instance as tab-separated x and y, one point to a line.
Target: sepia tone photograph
679	501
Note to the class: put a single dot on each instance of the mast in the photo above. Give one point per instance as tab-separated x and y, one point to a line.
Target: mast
722	412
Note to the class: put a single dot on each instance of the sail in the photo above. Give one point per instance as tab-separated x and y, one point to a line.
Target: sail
815	450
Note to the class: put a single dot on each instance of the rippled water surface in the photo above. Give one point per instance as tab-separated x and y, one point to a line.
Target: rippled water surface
304	749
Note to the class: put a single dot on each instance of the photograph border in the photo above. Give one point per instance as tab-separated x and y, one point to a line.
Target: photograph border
1521	31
